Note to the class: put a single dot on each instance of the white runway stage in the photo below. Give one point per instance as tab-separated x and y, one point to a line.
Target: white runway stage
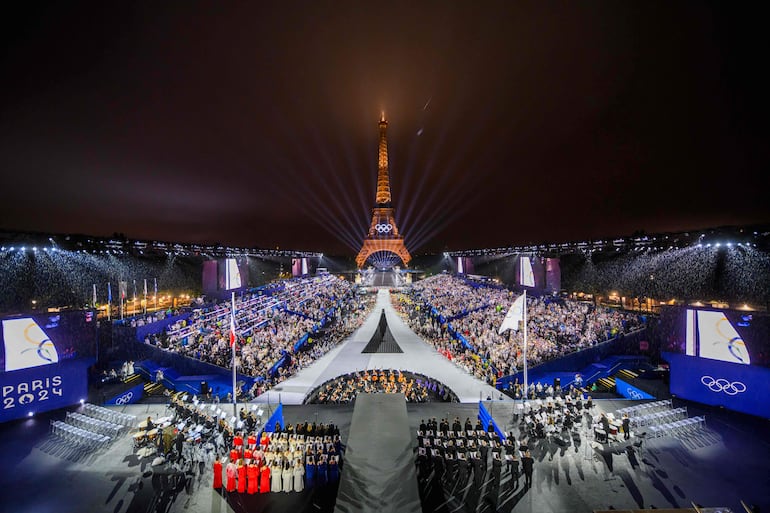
418	356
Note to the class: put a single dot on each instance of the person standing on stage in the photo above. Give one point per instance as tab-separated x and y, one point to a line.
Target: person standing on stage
298	472
626	426
264	478
275	476
252	473
241	477
527	464
231	472
217	473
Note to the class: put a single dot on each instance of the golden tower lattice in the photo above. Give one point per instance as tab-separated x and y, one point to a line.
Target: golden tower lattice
383	234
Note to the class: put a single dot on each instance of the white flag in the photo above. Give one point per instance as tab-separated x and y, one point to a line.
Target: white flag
514	316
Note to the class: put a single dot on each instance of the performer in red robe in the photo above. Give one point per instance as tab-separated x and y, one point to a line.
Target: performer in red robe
241	477
238	441
252	473
231	472
264	441
248	455
251	441
217	473
264	479
234	455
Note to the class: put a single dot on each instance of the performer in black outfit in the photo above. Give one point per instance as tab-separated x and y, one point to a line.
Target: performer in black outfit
527	464
626	426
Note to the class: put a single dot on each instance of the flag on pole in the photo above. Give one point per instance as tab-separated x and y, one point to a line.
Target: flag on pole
514	316
232	325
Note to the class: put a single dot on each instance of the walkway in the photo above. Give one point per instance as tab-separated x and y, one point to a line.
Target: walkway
418	356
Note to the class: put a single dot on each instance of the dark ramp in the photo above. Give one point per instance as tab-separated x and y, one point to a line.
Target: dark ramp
379	473
382	341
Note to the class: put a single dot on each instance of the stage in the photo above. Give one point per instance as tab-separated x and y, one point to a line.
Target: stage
727	463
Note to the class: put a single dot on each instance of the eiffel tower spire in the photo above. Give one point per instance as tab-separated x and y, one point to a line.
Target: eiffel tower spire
383	236
383	178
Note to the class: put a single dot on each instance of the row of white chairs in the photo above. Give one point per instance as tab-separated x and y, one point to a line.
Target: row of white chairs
79	436
679	427
660	417
646	408
113	416
103	427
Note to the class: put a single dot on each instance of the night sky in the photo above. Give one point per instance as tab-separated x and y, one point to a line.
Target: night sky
255	123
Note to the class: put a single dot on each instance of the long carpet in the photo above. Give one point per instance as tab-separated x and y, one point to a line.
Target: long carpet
417	356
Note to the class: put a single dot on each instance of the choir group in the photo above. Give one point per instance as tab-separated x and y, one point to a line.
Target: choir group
283	461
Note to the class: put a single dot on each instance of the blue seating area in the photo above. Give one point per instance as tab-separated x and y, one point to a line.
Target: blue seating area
220	384
590	373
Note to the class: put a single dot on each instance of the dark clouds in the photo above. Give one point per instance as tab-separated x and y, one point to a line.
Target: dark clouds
255	124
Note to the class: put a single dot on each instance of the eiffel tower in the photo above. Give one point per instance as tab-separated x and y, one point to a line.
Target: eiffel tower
383	234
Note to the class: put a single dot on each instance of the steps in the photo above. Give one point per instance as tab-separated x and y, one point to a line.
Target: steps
153	388
627	374
133	379
606	383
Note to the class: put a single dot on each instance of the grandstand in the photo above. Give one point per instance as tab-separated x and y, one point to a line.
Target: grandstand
322	340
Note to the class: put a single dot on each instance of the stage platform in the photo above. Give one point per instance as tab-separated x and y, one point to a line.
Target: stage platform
417	356
725	465
379	474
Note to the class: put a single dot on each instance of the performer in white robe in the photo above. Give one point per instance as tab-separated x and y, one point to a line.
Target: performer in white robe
299	476
275	477
288	484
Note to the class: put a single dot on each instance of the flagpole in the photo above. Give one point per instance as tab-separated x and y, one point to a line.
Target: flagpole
526	384
235	400
109	301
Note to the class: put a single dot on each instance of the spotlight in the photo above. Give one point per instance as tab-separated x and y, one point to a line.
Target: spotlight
30	414
82	401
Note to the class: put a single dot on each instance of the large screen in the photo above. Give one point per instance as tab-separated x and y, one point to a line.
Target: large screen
732	336
526	273
299	267
44	339
233	274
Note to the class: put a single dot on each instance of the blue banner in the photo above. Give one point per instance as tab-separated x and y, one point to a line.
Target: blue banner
629	391
301	342
43	388
735	386
485	417
277	416
130	396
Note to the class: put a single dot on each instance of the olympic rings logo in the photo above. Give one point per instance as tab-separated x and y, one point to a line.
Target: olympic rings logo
383	228
633	394
722	385
125	398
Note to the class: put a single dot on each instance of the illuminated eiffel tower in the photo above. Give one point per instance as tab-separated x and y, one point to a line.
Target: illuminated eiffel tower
383	234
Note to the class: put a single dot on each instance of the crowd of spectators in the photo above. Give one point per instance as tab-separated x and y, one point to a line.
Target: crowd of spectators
140	320
732	274
415	387
555	327
269	326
